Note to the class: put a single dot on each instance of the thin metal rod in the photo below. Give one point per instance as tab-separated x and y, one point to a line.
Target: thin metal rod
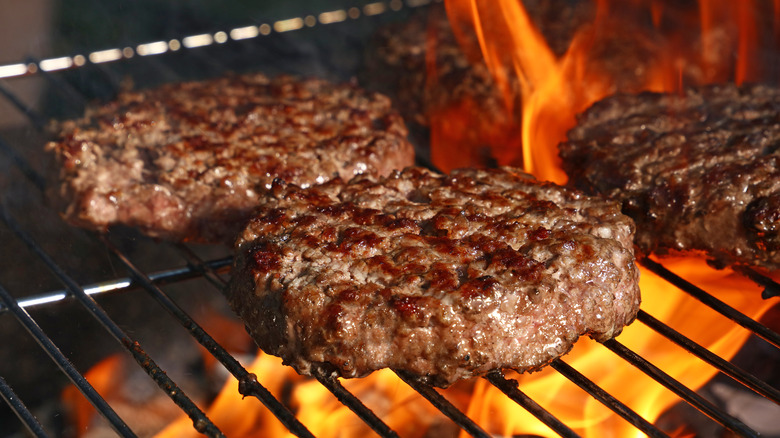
353	403
247	382
34	117
771	287
695	400
724	366
64	364
331	384
510	388
122	284
719	306
195	263
33	425
443	405
71	95
607	399
24	166
201	422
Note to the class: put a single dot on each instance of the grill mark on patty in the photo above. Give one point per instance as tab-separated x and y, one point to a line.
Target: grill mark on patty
214	148
372	278
691	170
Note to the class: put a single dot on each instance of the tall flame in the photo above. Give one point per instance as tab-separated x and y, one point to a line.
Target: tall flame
554	89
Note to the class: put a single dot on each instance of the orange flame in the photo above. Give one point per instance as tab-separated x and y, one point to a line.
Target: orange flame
144	411
554	89
319	410
410	415
648	398
102	378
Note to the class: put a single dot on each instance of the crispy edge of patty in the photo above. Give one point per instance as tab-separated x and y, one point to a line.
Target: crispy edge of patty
204	175
301	300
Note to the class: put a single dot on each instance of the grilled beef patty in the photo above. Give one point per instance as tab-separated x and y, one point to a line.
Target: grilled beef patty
697	172
445	276
190	161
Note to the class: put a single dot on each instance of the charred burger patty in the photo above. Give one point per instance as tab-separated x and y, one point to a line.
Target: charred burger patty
445	276
697	172
191	161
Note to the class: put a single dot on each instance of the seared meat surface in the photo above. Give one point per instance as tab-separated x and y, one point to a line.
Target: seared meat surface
698	172
445	276
191	161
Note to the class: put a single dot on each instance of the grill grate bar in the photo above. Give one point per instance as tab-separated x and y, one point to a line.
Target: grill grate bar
34	117
33	426
162	277
71	96
353	403
606	399
248	384
331	384
23	165
681	390
722	365
771	287
64	364
201	422
197	264
724	309
510	388
443	405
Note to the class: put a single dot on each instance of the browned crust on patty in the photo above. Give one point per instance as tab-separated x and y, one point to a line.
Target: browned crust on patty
445	276
190	161
698	172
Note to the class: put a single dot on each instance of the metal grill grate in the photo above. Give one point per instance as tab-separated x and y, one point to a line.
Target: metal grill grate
108	66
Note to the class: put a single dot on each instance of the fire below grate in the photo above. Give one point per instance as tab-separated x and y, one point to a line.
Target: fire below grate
30	247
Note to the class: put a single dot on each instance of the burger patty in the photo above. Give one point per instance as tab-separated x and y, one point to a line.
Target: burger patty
445	276
191	161
697	172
